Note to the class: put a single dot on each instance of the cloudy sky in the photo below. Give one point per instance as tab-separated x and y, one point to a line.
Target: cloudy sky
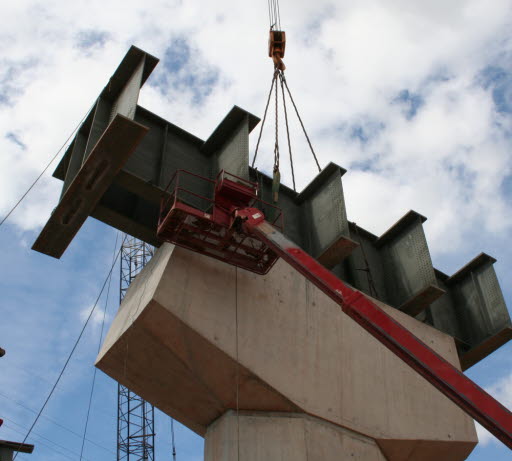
413	98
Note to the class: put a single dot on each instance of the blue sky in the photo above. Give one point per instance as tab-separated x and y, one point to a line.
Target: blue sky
414	99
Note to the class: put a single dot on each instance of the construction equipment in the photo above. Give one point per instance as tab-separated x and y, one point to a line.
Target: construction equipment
276	51
212	227
276	47
235	231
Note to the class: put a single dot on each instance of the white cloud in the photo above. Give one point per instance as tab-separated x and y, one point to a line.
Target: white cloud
502	391
347	64
96	318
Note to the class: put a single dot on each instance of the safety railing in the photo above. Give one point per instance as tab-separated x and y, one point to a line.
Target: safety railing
198	192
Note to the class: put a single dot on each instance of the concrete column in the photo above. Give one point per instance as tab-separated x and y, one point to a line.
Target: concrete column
261	436
174	342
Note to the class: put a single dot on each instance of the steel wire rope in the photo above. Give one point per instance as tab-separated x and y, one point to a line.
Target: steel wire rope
172	440
45	168
41	436
71	353
35	375
276	144
278	13
287	130
99	347
54	451
301	123
56	423
271	14
274	14
274	78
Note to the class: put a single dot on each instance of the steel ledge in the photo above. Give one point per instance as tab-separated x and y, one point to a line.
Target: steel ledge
226	128
421	300
337	251
479	261
117	143
409	218
319	180
485	348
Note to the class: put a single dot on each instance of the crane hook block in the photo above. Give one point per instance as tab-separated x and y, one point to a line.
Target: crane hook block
276	47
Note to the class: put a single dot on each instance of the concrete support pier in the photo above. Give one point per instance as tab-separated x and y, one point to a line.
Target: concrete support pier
199	338
259	436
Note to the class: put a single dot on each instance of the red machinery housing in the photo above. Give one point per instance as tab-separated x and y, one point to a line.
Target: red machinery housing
208	222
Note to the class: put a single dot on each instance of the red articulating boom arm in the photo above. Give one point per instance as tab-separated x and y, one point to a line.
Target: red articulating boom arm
449	380
232	230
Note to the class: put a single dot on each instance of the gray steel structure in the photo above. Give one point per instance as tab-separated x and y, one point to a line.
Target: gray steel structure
135	416
127	162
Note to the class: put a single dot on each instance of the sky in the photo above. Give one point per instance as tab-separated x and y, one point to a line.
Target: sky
413	98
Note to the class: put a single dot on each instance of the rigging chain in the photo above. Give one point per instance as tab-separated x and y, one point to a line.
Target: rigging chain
277	45
278	73
281	77
276	181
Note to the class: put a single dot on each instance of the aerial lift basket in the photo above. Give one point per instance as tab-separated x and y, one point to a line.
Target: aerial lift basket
206	221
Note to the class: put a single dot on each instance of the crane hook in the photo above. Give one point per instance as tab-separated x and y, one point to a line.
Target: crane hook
276	48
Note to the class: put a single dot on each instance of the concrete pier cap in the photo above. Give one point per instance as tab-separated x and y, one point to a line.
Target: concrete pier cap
201	339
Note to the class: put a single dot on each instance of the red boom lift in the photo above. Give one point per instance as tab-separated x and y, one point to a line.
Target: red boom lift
231	226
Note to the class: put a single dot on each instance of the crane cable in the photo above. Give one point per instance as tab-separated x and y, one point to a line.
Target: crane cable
279	74
287	129
99	348
56	423
276	51
274	14
71	353
274	78
172	441
276	173
45	168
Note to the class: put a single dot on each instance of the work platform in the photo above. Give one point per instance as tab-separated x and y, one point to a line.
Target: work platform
118	165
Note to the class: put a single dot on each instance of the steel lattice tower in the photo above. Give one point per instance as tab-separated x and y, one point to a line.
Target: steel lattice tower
135	416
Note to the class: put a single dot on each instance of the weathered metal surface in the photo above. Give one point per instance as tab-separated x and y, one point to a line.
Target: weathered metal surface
421	300
400	270
468	305
127	78
99	124
227	127
337	251
233	155
114	147
323	208
126	103
406	260
369	279
485	348
315	218
473	310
